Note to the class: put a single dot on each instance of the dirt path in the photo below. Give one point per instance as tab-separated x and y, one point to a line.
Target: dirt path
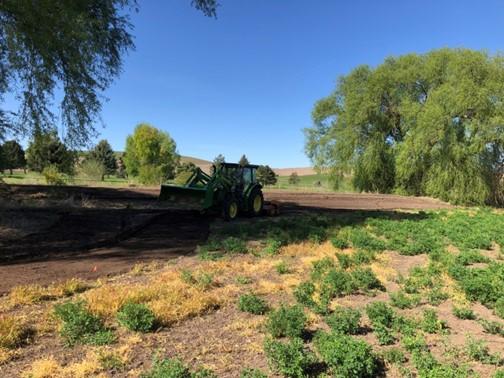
52	234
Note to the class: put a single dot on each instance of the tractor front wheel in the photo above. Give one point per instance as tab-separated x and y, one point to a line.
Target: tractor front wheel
256	202
230	209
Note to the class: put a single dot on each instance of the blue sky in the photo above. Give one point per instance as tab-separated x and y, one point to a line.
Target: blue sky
246	82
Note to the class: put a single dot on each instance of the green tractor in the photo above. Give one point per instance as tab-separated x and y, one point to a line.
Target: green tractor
231	189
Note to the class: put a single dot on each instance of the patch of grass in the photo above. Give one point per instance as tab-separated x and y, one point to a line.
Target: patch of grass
436	296
362	239
253	304
286	321
321	267
111	361
290	359
339	242
499	307
345	261
282	268
136	317
202	280
243	280
272	247
14	332
383	334
344	320
365	279
464	313
80	326
234	245
471	256
346	357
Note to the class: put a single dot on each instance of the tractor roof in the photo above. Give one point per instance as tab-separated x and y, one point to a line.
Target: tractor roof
235	165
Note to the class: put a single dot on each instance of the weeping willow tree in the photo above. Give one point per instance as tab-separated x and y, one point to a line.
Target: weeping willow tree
430	124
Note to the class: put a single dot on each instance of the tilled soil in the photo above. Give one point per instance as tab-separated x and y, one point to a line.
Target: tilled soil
50	234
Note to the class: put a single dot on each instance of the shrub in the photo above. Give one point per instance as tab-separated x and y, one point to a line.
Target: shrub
430	322
346	356
345	261
253	304
365	279
335	283
339	243
414	343
243	280
344	320
321	267
499	374
252	373
282	268
80	326
383	334
14	332
167	368
93	169
380	313
272	247
495	328
136	317
464	313
360	238
363	257
499	307
394	356
234	245
401	300
150	174
478	351
304	294
290	359
286	321
53	176
436	296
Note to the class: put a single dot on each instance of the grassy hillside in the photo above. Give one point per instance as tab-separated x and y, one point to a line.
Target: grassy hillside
316	182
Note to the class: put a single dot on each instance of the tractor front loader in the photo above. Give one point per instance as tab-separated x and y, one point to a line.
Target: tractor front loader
231	189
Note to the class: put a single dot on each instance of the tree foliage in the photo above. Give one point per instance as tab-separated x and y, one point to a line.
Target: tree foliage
77	46
243	161
430	124
266	175
46	149
151	154
294	178
104	154
13	156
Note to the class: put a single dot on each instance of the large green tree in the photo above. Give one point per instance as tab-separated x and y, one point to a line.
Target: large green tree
75	46
104	154
13	156
151	154
266	175
430	124
47	150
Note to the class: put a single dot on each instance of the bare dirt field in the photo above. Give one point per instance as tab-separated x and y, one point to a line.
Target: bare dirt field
49	234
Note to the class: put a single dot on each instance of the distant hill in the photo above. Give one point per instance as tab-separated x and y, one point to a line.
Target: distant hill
303	171
195	161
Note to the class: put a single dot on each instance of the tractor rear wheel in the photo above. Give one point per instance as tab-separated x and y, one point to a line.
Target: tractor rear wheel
230	209
255	202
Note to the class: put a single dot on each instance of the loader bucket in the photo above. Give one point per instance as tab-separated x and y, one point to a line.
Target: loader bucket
183	197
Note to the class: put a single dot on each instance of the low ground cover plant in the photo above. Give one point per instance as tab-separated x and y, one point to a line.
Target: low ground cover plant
80	326
345	356
14	332
291	358
174	368
253	304
464	313
136	317
344	320
286	321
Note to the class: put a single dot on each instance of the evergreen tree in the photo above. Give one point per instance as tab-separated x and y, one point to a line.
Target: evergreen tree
13	156
46	149
104	154
266	175
243	161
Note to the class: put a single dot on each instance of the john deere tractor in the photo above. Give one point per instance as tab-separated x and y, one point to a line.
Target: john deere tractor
230	189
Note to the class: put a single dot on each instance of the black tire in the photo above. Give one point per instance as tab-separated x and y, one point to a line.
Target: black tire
254	209
230	208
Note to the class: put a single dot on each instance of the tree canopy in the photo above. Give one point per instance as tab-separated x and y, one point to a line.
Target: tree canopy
13	156
151	154
266	175
104	154
430	124
75	46
47	150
